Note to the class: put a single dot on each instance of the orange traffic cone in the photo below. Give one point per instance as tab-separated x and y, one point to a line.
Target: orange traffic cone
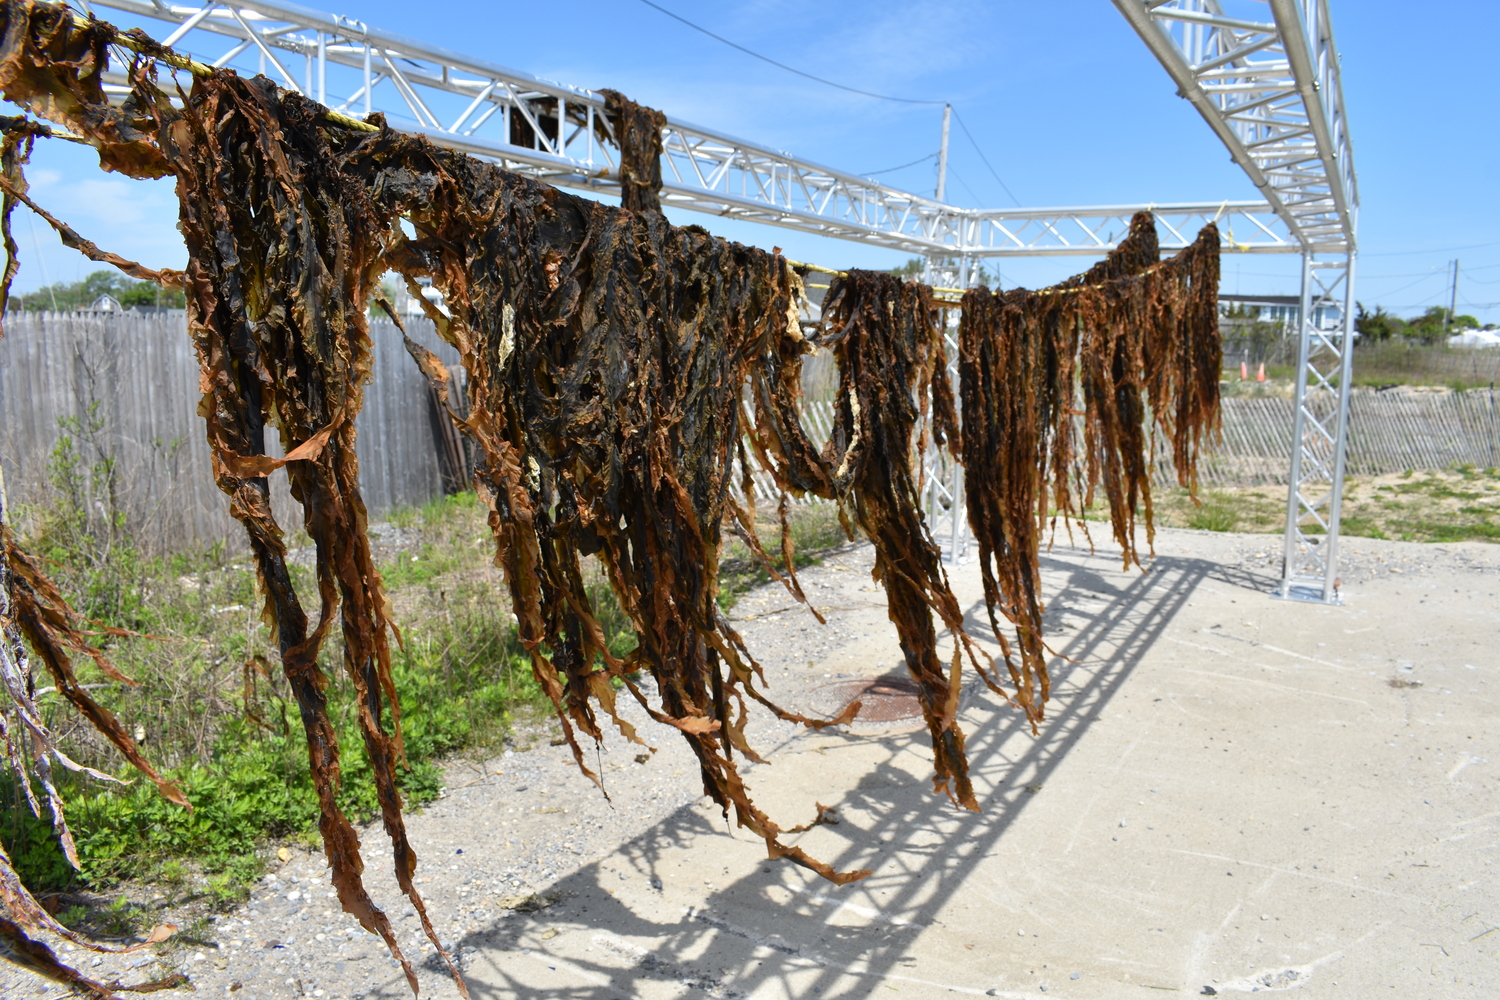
1260	373
1244	372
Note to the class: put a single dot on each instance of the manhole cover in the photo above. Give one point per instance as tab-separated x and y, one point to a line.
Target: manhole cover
882	699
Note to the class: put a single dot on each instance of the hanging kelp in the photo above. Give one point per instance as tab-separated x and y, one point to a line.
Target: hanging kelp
32	611
888	345
617	367
284	252
607	353
1130	334
638	135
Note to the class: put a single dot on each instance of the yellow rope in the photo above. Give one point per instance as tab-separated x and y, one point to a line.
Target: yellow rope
202	70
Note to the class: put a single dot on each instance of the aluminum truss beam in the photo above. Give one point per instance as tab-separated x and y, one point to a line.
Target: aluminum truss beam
547	130
1271	91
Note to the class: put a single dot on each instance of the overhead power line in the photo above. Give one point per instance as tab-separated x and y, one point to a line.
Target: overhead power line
959	177
1413	284
986	159
781	65
1407	253
830	83
891	170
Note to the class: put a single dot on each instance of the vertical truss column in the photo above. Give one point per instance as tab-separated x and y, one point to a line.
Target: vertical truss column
943	475
1315	488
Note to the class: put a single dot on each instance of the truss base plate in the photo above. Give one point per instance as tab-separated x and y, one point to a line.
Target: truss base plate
1307	593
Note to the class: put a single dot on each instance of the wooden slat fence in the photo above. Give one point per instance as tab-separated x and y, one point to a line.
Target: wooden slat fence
140	374
1389	431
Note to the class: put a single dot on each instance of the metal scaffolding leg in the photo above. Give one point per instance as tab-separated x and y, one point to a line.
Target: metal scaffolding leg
944	476
1320	432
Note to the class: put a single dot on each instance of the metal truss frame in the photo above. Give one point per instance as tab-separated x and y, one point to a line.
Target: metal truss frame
552	131
1315	485
1271	91
942	476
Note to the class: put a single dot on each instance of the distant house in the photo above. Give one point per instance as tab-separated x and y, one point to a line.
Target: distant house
1284	309
1262	329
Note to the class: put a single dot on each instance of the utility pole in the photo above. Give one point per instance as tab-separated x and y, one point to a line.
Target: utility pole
942	184
1452	302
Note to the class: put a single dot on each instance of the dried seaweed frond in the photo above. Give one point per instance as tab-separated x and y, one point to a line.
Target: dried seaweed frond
638	134
31	609
283	259
607	354
20	948
887	342
1131	334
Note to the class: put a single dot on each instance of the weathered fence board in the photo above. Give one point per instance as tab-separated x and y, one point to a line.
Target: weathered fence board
1389	431
140	374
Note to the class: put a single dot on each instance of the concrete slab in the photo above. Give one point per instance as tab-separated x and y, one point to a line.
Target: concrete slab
1231	793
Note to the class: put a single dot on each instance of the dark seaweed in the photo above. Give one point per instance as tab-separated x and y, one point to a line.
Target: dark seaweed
1129	335
618	370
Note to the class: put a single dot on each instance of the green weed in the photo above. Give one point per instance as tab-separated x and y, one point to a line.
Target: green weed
122	917
1362	527
1219	512
73	917
211	708
814	529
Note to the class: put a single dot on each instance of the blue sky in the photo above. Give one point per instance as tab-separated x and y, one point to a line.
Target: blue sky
1067	103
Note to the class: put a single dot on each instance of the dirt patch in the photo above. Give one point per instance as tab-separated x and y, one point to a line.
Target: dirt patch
1455	505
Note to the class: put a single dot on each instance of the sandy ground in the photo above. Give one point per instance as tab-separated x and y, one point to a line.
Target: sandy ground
1230	793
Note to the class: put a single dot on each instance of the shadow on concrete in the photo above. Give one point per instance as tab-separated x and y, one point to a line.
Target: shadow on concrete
774	932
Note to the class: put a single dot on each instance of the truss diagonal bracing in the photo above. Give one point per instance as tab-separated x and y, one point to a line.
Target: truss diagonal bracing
1268	85
1270	89
1316	481
553	131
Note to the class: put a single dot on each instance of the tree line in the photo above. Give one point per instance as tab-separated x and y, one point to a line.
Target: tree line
1432	327
66	296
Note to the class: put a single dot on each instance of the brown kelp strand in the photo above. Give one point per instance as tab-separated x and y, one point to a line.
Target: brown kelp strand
283	254
637	131
32	611
18	947
1057	342
608	353
888	345
1139	335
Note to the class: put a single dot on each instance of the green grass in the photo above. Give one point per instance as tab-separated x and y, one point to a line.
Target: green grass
218	718
1361	527
814	529
1453	505
1220	511
216	715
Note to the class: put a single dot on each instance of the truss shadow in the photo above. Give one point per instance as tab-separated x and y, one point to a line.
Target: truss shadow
777	931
